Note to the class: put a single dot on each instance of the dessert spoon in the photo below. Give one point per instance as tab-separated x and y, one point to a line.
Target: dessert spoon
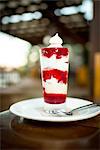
70	113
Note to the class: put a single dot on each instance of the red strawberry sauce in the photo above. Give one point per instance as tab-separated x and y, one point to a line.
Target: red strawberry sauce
59	52
61	76
54	98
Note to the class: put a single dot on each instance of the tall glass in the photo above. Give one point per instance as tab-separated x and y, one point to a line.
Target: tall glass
54	73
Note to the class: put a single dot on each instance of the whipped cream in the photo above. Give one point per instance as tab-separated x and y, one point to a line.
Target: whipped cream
55	41
52	86
52	63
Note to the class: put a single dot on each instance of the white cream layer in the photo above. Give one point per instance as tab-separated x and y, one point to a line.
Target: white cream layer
55	45
55	63
56	40
52	86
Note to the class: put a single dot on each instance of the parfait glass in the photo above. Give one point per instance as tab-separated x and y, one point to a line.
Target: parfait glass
54	62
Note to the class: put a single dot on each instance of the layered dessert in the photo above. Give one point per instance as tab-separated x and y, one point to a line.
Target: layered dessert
54	71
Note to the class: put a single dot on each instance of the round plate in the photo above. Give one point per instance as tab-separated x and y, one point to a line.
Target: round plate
33	109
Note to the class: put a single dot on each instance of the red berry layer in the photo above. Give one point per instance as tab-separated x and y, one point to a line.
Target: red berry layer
59	52
61	76
54	98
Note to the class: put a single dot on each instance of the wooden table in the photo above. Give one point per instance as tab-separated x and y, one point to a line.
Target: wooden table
22	134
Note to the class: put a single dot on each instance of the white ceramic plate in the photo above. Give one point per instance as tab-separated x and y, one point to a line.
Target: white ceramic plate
33	109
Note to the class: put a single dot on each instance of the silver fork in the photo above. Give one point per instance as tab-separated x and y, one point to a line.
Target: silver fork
70	113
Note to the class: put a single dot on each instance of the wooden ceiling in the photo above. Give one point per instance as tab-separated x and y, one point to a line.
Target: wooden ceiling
72	27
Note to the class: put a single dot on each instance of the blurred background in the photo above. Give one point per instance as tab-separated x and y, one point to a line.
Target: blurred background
27	25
